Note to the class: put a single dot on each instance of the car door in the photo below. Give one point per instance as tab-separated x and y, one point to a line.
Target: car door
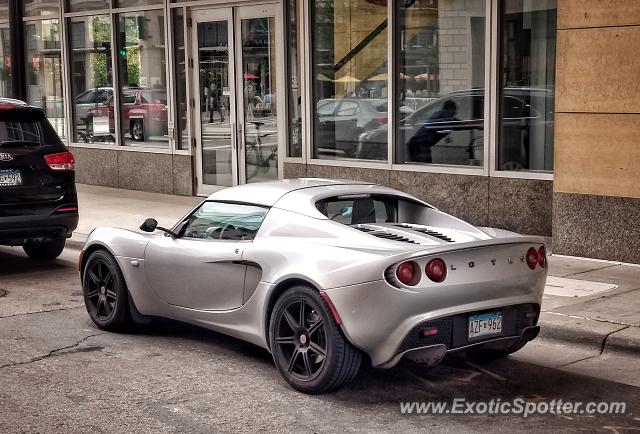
203	268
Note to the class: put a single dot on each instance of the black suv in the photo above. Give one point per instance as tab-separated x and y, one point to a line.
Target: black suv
38	200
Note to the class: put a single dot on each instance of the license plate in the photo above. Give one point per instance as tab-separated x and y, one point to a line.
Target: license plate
10	177
485	324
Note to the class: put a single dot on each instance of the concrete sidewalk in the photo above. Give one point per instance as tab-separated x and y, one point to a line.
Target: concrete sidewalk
589	303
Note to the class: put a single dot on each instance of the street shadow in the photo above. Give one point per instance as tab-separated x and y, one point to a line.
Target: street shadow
455	377
13	261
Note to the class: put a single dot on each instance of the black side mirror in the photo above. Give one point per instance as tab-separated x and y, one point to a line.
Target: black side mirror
149	225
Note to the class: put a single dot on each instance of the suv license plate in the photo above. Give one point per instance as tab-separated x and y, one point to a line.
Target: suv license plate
10	177
485	324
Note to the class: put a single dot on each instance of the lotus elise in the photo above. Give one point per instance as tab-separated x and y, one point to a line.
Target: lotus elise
323	274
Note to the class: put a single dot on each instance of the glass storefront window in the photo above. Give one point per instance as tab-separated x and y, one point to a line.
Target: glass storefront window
527	75
143	81
440	98
4	10
40	8
91	78
180	65
5	61
44	70
294	91
132	3
86	5
350	79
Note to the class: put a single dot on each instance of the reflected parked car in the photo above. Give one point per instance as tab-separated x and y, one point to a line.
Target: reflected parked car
340	122
450	129
144	114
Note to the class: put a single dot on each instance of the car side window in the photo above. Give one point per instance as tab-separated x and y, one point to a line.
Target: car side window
224	221
348	108
327	108
128	97
88	97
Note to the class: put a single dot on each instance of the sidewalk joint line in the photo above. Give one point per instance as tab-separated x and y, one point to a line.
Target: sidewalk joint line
590	319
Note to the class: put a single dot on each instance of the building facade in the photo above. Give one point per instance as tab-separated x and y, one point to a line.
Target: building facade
517	114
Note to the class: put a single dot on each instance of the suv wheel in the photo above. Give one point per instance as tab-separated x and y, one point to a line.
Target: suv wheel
44	250
137	130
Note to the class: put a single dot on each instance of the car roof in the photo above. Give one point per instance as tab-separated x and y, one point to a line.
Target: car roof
13	102
268	193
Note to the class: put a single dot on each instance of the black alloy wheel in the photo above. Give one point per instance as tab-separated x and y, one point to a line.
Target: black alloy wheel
308	347
105	292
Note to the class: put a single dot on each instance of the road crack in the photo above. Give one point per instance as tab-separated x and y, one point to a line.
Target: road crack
602	348
41	311
50	353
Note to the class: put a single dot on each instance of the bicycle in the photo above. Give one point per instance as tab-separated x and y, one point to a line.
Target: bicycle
258	157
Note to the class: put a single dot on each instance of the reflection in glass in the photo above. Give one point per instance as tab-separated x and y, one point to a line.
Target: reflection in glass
43	70
143	80
259	99
4	10
527	72
440	98
180	108
40	8
214	89
293	77
91	78
5	61
350	79
86	5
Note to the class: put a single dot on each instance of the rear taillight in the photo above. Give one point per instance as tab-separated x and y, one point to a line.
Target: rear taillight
542	257
408	273
436	270
532	258
381	119
61	162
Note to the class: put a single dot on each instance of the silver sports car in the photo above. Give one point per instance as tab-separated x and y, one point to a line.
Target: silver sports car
323	273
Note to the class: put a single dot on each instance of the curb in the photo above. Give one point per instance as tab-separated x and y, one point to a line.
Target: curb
76	242
601	336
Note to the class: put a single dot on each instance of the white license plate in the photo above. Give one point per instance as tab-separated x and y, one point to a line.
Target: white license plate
10	177
485	324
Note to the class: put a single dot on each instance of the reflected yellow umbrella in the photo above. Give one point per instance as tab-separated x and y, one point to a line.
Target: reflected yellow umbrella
380	77
347	79
322	77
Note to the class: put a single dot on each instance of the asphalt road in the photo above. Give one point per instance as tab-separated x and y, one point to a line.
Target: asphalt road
59	373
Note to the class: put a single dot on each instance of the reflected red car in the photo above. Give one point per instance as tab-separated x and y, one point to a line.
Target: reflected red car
144	114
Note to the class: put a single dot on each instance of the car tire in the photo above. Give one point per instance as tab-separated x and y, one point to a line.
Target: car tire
307	345
105	292
137	130
44	250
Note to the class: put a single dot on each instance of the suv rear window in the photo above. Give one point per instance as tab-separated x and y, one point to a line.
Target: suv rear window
26	125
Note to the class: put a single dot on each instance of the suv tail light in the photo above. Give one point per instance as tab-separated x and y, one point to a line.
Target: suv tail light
383	119
408	273
532	258
542	257
436	270
61	162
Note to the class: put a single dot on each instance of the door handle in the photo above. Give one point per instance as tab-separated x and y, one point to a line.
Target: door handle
234	136
241	136
444	131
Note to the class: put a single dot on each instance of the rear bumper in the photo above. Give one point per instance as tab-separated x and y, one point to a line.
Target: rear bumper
15	230
382	320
